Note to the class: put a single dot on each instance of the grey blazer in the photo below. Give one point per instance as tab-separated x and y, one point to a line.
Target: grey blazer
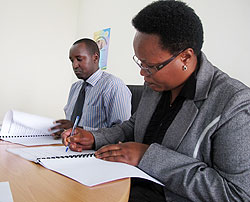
205	153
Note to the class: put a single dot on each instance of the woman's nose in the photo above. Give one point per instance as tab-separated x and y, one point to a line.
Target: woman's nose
144	72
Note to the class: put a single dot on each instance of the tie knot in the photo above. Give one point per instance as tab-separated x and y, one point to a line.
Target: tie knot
83	86
85	83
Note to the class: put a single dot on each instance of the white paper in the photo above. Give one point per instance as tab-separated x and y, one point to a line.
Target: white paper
27	129
5	192
89	171
92	171
32	141
33	153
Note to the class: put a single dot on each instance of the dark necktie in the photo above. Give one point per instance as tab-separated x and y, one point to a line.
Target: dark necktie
79	104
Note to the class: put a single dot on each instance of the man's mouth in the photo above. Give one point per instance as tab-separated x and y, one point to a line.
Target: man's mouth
77	72
148	83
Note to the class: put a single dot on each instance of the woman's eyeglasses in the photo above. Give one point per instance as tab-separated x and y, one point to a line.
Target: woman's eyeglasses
153	69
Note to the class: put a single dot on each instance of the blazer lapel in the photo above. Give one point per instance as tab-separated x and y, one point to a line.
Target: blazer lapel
186	116
179	127
144	112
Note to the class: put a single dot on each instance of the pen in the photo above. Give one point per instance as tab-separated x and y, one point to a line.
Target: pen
73	129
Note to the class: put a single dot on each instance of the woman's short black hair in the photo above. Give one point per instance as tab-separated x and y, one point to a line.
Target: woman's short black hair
174	22
90	44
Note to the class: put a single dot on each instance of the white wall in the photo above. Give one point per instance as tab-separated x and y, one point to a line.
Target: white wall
35	37
226	27
115	14
227	30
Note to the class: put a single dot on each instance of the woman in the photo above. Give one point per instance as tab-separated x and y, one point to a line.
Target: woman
191	128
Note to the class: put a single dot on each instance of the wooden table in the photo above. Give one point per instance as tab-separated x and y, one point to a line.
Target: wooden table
30	182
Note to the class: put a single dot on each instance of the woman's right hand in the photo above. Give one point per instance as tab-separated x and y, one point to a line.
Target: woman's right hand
80	140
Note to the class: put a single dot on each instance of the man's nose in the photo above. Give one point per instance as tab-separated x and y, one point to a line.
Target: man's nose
75	64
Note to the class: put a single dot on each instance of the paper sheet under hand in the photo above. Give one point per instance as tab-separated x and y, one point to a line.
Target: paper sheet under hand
92	171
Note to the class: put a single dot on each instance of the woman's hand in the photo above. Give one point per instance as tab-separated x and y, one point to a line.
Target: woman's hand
81	139
129	152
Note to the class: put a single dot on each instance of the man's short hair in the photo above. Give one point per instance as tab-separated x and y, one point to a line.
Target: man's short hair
174	22
90	44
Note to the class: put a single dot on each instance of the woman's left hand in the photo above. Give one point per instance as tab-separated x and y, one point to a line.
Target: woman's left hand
129	152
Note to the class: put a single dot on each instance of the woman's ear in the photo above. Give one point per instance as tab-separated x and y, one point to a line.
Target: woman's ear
186	55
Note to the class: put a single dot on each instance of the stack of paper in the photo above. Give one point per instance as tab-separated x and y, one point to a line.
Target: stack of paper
27	129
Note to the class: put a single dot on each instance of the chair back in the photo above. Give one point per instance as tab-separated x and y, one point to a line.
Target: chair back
136	91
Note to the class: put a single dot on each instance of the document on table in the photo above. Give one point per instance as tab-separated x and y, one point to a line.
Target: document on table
5	192
48	152
27	129
82	166
92	171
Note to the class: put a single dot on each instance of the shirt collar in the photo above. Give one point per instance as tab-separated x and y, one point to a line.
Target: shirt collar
92	80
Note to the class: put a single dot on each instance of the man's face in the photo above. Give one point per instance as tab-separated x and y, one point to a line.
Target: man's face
84	64
148	50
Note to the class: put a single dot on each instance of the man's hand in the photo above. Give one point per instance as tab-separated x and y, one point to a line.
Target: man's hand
63	125
129	152
81	139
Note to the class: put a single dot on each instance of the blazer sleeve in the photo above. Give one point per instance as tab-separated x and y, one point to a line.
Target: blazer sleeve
120	132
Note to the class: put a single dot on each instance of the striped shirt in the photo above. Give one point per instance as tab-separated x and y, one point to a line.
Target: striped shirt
107	101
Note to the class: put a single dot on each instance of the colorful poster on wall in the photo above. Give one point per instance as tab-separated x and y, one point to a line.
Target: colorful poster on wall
102	39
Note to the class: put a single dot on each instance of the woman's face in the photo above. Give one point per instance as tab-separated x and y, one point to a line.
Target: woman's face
148	50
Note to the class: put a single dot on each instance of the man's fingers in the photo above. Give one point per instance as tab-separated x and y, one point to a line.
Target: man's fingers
62	124
56	136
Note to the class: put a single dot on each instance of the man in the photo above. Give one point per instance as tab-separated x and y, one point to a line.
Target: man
191	128
105	99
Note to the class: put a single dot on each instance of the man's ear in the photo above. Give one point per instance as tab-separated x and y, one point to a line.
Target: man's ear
96	58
